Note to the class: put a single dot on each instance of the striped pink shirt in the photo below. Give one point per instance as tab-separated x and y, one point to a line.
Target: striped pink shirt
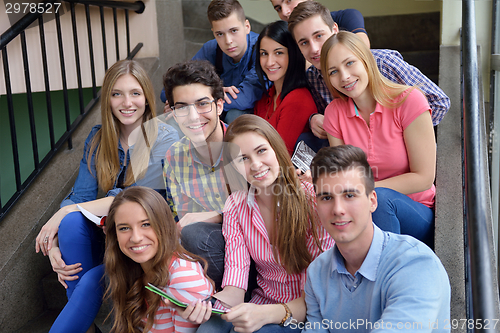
246	236
187	283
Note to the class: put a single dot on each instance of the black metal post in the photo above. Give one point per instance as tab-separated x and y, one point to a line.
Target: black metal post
12	120
48	99
127	28
117	44
91	51
104	47
63	78
478	212
77	57
27	80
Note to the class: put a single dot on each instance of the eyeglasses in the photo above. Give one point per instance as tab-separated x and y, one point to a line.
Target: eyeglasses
201	107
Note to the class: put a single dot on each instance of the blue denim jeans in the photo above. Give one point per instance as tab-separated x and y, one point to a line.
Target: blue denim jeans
80	241
217	325
206	240
230	115
398	213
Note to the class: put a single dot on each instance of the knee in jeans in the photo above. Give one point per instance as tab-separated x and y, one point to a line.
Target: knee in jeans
73	225
385	196
93	281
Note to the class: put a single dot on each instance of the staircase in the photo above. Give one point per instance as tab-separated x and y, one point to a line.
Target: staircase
27	275
415	36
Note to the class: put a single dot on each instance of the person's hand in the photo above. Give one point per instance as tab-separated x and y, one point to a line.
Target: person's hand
168	111
64	272
43	241
317	126
247	317
197	312
304	176
189	218
233	91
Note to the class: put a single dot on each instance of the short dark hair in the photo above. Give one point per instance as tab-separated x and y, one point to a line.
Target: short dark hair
221	9
189	72
336	159
278	31
307	9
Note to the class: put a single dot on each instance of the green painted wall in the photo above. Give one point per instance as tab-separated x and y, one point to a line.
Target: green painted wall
23	132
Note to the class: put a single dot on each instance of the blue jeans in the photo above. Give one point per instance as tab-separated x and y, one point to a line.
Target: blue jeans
218	325
206	240
398	213
80	241
230	115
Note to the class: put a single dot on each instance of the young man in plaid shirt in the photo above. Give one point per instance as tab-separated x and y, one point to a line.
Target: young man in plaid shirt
193	168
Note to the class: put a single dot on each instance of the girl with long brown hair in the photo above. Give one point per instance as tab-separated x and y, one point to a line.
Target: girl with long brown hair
125	150
142	246
274	223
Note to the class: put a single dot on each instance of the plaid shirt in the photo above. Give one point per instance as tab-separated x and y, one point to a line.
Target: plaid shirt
191	185
392	66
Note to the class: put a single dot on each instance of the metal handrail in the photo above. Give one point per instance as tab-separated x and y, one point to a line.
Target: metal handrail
478	220
18	29
29	18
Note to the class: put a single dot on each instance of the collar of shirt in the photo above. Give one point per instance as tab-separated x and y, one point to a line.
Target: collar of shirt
353	109
252	199
370	265
315	71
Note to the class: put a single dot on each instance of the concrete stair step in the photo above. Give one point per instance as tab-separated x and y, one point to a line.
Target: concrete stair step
55	297
426	61
43	323
192	48
410	32
53	292
194	14
197	35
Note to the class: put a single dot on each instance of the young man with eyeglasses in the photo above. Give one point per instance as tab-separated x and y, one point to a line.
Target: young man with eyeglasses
193	169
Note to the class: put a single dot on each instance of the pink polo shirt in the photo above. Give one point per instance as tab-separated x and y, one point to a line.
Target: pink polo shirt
382	142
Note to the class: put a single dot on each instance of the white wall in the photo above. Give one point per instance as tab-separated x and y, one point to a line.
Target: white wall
452	22
262	10
451	18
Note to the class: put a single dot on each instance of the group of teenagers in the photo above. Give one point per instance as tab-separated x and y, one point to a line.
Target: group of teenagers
203	201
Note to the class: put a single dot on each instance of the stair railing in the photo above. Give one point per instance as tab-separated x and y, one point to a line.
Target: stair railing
481	282
18	29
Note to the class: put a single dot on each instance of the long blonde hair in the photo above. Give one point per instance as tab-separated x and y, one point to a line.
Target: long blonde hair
295	217
105	142
383	90
126	277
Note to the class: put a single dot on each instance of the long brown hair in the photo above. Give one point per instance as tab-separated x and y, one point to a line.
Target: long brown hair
126	277
383	90
105	142
295	217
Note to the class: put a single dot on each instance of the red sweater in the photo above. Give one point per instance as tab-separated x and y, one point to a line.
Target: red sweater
291	116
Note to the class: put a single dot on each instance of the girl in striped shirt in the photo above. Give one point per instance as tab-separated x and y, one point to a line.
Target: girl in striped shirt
142	246
275	224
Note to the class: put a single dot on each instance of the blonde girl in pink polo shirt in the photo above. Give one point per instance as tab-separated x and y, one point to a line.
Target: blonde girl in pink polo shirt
392	124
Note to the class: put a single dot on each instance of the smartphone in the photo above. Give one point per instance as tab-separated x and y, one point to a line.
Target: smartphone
160	292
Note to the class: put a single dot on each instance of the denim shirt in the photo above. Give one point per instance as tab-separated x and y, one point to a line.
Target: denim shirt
86	186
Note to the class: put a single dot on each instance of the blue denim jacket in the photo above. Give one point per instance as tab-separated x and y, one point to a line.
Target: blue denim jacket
86	187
